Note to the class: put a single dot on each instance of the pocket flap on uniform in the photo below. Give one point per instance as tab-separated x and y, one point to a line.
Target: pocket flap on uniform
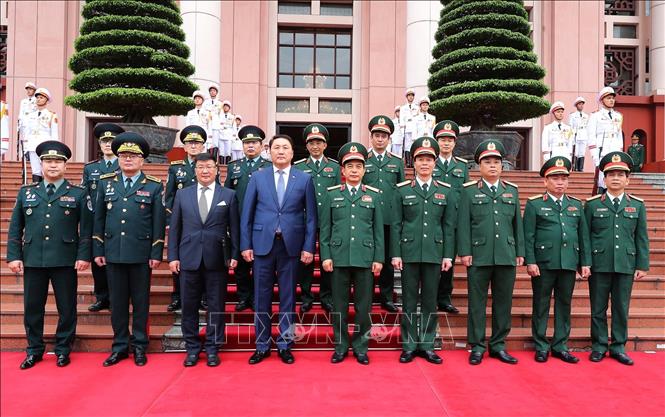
67	204
630	214
479	241
601	214
369	243
110	197
599	250
27	239
543	245
68	239
407	237
630	251
32	203
336	242
143	236
142	199
511	240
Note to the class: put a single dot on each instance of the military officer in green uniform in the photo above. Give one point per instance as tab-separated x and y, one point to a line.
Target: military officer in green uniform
636	152
490	243
325	173
619	254
238	174
48	241
556	241
454	171
422	210
181	174
384	170
352	241
128	238
105	133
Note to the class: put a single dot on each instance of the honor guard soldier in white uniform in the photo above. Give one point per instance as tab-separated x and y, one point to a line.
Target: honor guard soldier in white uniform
198	116
424	121
397	138
604	131
236	145
214	106
225	139
407	124
557	138
41	125
578	121
28	105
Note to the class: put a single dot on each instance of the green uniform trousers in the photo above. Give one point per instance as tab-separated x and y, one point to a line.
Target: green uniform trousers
562	282
602	286
305	279
445	296
363	287
129	281
35	292
419	329
502	280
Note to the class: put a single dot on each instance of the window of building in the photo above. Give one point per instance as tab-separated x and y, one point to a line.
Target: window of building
3	50
314	59
339	135
334	106
294	7
620	69
625	31
336	9
292	105
620	7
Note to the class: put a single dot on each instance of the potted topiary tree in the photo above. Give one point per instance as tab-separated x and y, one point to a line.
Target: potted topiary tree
485	73
131	61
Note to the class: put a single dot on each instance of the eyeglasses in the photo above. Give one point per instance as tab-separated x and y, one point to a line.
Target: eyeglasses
129	156
205	168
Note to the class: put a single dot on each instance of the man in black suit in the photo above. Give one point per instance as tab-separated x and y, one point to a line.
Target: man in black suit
203	243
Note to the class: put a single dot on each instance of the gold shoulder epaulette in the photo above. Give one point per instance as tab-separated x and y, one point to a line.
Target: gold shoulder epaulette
299	161
402	184
333	160
155	179
574	198
376	190
109	175
334	187
594	197
178	162
467	184
510	183
535	197
395	155
445	184
461	159
30	185
77	186
636	198
92	162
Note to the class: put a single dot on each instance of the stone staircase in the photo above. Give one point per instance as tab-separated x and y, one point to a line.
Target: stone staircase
646	324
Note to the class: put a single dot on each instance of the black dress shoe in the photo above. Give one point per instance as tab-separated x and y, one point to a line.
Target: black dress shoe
431	357
98	306
191	359
213	359
361	358
140	359
115	358
327	306
62	361
338	357
565	356
243	305
622	358
174	306
407	356
449	308
204	305
541	355
504	357
258	356
475	358
30	361
305	307
286	356
389	306
596	356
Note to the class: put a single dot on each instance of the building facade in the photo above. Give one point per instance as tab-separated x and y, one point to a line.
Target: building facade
284	64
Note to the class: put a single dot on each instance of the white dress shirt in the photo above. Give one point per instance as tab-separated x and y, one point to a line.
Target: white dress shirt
612	197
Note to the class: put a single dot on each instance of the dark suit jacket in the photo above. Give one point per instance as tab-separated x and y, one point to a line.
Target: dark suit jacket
212	243
261	214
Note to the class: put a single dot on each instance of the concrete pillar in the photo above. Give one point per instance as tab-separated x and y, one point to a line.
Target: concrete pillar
657	47
422	20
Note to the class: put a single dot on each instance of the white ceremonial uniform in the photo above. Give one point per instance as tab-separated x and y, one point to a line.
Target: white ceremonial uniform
425	123
199	117
407	115
578	121
214	107
557	140
236	146
28	105
226	120
4	129
396	139
604	135
41	125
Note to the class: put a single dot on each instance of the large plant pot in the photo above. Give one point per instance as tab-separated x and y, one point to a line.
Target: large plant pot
160	139
468	141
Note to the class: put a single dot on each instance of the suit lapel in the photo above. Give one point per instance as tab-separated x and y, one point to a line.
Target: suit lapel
40	190
216	199
608	203
289	185
272	187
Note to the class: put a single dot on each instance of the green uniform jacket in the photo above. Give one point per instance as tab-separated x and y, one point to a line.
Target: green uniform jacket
385	176
556	239
328	175
129	226
619	240
238	175
352	228
51	231
490	228
637	153
181	174
91	173
419	222
456	175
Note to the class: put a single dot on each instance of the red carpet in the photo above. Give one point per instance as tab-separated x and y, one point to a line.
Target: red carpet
314	387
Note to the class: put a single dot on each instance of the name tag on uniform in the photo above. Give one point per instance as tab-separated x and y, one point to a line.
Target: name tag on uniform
307	170
601	209
67	199
630	209
367	198
368	165
545	209
143	193
338	199
391	166
409	196
480	196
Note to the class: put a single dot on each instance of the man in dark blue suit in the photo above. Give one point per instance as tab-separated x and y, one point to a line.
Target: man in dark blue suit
203	243
279	229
